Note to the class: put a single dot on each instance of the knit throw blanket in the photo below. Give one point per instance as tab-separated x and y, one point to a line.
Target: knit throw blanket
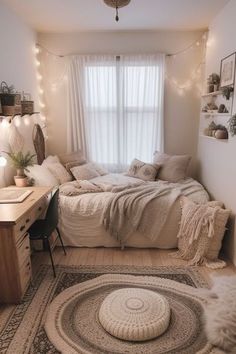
144	208
196	233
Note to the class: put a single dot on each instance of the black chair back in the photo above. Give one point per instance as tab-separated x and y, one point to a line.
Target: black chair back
51	219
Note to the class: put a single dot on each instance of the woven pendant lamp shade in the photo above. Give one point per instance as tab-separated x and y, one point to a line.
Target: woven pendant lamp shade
116	3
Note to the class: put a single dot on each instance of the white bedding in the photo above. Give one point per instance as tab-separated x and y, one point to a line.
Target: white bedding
80	217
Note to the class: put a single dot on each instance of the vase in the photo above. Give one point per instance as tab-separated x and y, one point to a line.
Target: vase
21	181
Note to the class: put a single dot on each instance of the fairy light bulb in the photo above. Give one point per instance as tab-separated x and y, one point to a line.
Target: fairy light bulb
17	121
43	118
5	123
3	161
26	121
197	43
42	105
36	50
39	77
41	91
37	62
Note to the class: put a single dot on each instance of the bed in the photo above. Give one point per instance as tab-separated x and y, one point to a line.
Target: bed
81	223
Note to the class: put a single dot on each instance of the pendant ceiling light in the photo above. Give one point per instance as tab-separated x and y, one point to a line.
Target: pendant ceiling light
116	4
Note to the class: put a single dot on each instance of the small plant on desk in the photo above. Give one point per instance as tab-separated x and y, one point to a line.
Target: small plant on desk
21	161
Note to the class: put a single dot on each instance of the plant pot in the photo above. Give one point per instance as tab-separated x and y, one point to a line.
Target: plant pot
21	181
7	99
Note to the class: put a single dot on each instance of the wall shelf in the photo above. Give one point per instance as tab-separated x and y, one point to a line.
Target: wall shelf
205	114
17	115
212	138
210	94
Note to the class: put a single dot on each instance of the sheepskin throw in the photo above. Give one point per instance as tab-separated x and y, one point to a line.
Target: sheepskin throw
201	232
220	313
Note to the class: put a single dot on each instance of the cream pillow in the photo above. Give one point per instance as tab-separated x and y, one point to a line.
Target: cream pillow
102	171
51	159
72	157
41	176
210	220
142	170
173	167
59	172
84	172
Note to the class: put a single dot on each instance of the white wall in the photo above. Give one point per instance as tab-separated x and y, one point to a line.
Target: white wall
181	112
217	160
17	61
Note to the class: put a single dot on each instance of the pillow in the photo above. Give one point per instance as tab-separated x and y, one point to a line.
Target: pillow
142	170
51	159
72	157
173	167
84	172
102	171
58	171
41	176
201	232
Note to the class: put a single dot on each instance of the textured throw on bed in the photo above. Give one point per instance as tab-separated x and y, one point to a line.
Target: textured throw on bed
144	208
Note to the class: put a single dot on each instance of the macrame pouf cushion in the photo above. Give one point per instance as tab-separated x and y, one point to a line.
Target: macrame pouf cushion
135	314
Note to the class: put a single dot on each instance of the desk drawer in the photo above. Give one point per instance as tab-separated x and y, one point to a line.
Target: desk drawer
23	249
24	223
25	275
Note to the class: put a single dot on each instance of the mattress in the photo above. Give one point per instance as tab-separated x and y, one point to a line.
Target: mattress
80	221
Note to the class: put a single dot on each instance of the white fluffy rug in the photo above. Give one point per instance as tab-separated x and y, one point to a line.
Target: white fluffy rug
220	314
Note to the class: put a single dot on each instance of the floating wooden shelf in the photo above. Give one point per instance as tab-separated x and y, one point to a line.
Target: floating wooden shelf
212	138
18	115
216	114
210	94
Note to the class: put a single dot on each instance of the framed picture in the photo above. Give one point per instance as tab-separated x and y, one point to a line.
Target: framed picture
227	70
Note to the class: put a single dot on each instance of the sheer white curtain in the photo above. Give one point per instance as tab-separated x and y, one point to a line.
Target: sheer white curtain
115	110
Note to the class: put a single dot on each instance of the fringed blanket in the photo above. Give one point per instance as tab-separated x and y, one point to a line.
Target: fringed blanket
144	208
201	232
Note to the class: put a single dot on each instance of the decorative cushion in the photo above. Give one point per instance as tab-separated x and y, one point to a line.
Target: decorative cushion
51	159
59	172
72	157
201	232
41	176
142	170
84	172
135	314
173	167
102	171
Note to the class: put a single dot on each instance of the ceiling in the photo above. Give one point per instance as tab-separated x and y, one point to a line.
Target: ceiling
94	15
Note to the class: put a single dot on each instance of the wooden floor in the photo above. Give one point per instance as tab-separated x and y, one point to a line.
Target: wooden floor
115	256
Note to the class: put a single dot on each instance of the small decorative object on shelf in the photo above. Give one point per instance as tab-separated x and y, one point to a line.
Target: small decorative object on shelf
232	125
21	161
210	107
27	105
213	82
217	131
10	100
226	91
222	109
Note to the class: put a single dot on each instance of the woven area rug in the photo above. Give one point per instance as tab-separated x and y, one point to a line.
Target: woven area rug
22	328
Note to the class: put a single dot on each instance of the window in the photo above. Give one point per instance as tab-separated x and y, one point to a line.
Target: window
123	108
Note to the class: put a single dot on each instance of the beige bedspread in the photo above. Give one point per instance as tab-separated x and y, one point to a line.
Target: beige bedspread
80	216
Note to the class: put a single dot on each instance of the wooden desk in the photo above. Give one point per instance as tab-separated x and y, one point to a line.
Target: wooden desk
15	263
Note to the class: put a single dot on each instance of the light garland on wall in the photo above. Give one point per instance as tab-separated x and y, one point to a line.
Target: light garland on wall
180	87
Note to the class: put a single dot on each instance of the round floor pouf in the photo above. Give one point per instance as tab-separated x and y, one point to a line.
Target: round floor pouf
135	314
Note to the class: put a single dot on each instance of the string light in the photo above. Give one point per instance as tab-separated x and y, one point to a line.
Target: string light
17	121
26	120
181	88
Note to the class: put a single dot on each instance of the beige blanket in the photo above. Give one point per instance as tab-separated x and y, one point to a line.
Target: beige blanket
144	208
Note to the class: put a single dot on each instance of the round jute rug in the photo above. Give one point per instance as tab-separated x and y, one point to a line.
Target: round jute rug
73	326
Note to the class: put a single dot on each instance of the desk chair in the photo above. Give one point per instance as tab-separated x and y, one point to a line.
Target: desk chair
43	229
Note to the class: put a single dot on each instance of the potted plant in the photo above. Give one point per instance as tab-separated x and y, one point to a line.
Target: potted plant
213	82
226	91
21	161
7	97
232	125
